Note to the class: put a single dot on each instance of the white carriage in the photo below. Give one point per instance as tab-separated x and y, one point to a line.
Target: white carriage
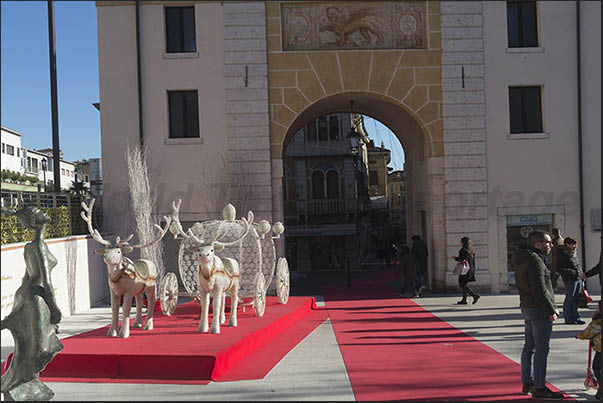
255	252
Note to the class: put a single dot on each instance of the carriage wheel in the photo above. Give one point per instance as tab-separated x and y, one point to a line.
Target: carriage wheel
282	280
168	294
259	299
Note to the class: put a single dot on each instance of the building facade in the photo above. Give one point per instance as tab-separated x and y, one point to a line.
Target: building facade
325	185
498	135
12	152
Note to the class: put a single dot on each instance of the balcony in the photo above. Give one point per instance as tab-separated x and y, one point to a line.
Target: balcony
322	207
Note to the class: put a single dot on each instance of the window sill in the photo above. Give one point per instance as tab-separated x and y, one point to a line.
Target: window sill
527	136
539	49
184	141
187	55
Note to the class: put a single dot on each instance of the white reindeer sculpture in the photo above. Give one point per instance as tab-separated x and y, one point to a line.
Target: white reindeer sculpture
216	275
127	278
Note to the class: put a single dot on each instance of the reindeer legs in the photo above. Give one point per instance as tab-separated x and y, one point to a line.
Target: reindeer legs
234	301
112	332
150	292
204	322
138	319
215	322
124	333
223	310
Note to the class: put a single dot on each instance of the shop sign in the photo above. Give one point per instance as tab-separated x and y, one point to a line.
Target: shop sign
529	219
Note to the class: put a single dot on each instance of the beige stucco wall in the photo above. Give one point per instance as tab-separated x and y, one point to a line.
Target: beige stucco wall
590	15
184	168
540	174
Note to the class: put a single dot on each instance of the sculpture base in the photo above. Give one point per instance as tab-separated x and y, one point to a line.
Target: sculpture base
174	352
31	391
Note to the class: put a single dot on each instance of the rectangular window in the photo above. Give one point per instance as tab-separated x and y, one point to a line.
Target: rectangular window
311	131
184	114
525	109
18	152
34	165
3	149
333	128
63	171
522	29
180	29
10	150
323	129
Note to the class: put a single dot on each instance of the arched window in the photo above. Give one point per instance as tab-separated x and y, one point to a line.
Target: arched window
318	185
332	185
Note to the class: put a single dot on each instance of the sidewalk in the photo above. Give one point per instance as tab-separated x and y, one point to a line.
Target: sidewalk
314	369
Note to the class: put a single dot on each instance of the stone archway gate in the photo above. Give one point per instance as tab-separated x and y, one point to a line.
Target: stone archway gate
281	57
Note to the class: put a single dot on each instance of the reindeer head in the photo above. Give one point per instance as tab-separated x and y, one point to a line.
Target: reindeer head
113	254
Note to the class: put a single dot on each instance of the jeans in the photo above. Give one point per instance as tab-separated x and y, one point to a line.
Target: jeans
570	308
420	281
597	366
537	333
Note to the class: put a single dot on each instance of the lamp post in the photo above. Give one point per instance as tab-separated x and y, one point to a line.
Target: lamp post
44	168
354	138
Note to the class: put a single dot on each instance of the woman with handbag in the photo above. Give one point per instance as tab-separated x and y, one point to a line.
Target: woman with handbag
466	274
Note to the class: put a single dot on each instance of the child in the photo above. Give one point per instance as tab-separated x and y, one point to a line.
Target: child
593	333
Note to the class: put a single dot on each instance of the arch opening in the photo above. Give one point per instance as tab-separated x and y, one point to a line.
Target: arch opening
342	206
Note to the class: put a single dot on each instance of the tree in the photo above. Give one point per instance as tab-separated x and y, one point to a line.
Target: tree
79	188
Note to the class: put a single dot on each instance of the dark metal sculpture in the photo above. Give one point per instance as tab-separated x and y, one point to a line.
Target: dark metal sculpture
34	318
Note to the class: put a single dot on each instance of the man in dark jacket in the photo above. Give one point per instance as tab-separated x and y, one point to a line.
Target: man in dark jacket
568	266
419	251
537	303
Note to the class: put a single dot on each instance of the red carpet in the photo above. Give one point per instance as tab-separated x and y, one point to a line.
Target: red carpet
175	353
396	350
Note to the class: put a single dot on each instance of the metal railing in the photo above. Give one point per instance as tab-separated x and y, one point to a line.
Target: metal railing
63	208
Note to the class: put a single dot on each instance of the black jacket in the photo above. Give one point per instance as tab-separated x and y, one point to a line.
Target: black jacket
568	266
465	255
533	281
419	251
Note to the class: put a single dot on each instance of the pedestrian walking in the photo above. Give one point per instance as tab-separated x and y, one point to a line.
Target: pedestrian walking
466	253
420	252
393	254
592	333
408	267
568	266
537	303
554	257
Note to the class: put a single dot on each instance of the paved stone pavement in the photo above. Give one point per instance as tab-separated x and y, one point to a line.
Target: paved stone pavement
314	369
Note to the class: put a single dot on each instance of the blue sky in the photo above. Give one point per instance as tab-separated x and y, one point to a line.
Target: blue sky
25	79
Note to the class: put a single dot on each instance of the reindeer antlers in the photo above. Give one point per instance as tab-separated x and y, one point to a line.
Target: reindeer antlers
87	216
119	243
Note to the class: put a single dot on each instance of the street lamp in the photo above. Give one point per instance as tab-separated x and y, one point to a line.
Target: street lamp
354	138
44	168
